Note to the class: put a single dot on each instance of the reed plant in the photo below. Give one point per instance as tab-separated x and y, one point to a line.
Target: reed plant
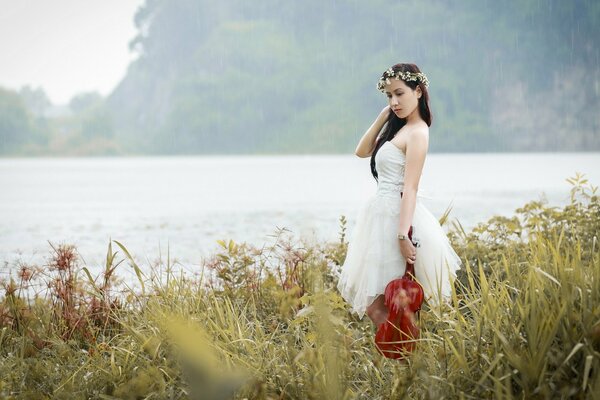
268	323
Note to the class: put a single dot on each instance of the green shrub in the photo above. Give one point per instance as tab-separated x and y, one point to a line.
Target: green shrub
268	323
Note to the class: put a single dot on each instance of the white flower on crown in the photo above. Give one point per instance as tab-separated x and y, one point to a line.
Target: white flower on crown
406	76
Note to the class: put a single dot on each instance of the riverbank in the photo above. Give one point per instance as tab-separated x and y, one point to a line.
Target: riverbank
266	323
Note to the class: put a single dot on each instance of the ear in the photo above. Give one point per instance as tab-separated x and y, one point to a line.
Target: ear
419	92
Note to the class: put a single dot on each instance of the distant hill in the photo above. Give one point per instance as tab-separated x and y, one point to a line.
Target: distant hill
276	76
299	77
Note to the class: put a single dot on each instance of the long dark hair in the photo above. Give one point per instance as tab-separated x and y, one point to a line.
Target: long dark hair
394	123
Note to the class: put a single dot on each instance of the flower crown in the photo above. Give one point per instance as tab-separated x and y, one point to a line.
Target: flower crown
406	76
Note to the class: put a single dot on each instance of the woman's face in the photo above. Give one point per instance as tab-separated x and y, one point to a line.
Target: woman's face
401	98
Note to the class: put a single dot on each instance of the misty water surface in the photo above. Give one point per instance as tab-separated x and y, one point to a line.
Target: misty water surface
191	202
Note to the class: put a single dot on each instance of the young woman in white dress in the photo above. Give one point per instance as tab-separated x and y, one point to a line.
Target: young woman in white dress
378	248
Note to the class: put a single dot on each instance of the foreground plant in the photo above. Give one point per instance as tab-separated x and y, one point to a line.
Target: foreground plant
268	323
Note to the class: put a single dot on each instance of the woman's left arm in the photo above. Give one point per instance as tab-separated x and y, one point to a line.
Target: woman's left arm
416	151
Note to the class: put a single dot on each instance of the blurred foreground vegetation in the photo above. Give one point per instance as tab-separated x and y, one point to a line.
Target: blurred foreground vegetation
267	323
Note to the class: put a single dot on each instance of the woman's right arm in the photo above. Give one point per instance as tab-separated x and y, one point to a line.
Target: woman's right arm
366	145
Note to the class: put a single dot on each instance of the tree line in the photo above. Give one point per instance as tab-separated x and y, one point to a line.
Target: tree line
299	77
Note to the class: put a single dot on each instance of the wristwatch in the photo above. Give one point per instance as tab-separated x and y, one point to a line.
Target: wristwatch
402	237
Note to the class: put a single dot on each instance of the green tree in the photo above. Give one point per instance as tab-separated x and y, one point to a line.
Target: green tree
294	76
15	122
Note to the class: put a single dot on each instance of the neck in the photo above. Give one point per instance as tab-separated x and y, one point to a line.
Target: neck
414	117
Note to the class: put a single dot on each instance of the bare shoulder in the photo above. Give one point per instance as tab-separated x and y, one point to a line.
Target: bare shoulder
420	129
419	135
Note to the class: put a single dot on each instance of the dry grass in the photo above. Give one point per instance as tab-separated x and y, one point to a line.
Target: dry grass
268	324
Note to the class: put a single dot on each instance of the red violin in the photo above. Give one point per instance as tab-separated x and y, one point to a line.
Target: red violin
396	337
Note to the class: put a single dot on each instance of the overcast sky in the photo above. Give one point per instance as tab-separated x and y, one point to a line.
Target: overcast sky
65	46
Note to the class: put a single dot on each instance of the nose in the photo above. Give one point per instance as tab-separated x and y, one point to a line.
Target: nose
393	101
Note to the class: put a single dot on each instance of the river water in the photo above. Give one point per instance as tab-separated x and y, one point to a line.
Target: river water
188	203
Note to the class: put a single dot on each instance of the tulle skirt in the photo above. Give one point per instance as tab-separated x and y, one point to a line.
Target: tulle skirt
374	259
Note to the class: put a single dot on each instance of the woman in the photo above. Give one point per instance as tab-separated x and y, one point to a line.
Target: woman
379	249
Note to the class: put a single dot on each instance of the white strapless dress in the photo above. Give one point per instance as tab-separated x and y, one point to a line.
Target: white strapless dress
374	258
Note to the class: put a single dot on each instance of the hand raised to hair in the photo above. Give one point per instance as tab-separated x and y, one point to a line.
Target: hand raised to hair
384	114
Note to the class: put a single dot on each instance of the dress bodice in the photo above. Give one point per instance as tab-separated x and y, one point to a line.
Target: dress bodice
390	162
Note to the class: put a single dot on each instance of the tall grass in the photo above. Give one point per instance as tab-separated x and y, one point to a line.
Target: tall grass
524	322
